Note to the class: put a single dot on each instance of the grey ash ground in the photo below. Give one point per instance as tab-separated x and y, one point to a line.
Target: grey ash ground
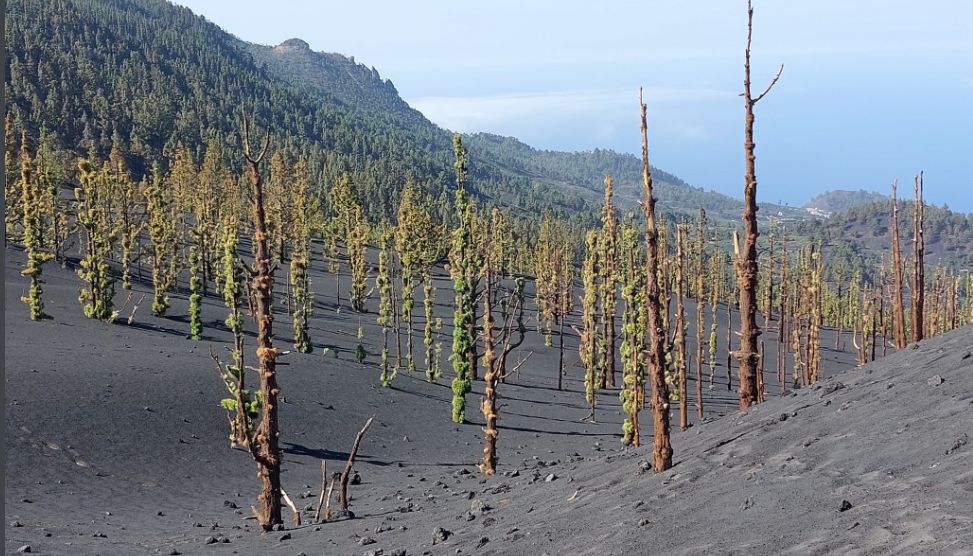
116	445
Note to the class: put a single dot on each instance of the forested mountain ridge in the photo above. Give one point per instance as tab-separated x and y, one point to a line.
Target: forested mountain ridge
860	235
838	200
148	75
80	72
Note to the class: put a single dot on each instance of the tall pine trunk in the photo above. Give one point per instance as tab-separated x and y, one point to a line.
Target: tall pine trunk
746	262
266	450
918	273
661	448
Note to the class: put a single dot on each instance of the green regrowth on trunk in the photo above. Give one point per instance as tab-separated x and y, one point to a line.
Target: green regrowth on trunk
383	282
195	297
32	213
98	236
461	269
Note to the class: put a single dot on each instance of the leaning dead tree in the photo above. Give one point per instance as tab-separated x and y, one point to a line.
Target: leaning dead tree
263	443
746	261
659	400
918	272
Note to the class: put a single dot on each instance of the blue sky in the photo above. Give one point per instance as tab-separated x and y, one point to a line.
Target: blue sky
872	90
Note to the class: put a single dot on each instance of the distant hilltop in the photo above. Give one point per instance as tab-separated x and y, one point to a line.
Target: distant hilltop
839	200
291	45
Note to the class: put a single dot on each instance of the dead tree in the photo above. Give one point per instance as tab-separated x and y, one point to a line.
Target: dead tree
494	363
700	303
729	336
918	272
782	325
659	401
324	484
898	311
746	262
264	445
346	474
680	334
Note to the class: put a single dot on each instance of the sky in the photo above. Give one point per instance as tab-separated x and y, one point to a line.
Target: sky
872	90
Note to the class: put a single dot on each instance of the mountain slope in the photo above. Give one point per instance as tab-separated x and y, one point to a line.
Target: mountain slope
147	75
861	235
839	200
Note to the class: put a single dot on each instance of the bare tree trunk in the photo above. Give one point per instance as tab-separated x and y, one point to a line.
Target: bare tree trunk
324	484
395	315
782	329
874	328
337	290
265	450
493	363
681	335
491	380
700	306
729	347
560	353
898	312
918	272
662	448
761	393
746	262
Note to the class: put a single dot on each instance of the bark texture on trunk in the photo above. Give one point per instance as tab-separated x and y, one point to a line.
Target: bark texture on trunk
264	448
659	401
746	260
918	272
898	311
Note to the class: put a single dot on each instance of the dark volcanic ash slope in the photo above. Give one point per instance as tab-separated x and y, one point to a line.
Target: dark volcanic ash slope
116	445
872	460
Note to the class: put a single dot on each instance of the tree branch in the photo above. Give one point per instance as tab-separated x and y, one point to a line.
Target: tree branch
770	86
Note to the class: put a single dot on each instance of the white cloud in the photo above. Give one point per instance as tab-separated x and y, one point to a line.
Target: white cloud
478	113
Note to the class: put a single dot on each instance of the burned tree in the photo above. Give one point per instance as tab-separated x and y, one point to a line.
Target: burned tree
545	274
609	283
243	407
383	283
357	235
161	208
497	345
746	261
680	333
301	221
98	231
553	279
700	306
461	268
131	213
918	272
264	442
32	213
632	394
898	311
588	345
659	400
417	240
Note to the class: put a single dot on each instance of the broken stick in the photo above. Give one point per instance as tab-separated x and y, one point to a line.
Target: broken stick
346	474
